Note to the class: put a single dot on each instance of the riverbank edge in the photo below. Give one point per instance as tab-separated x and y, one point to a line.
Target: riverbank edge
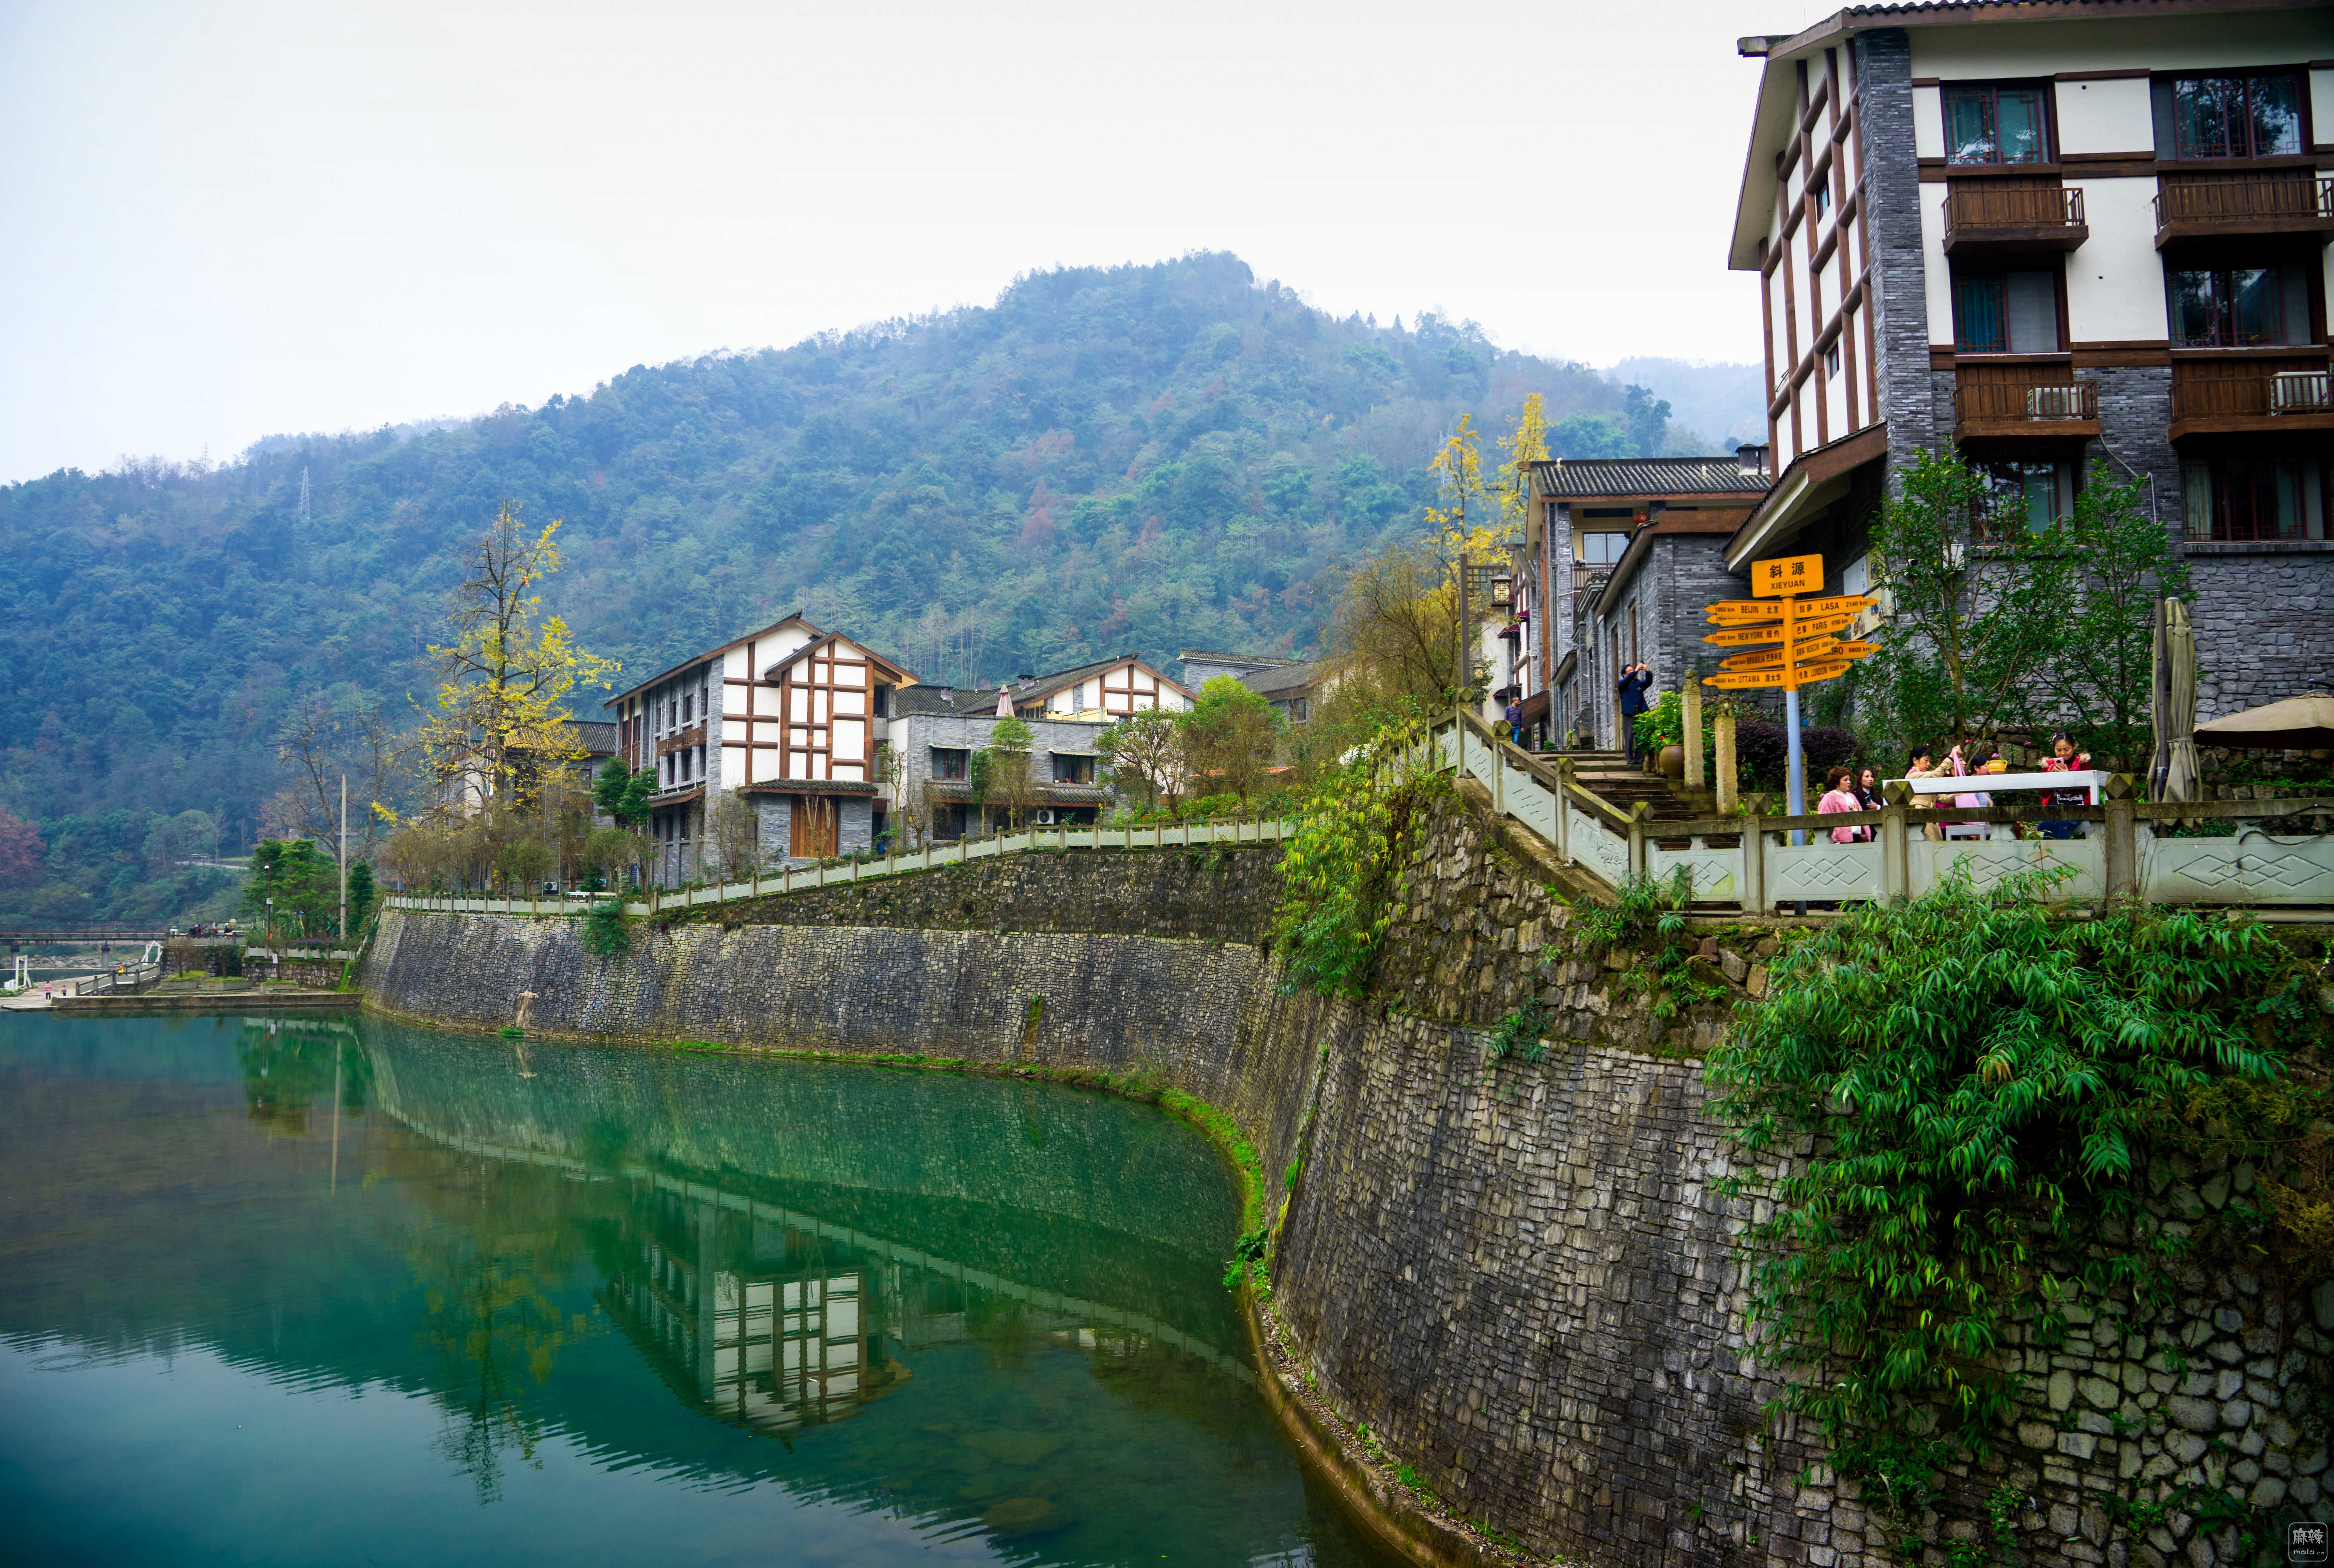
225	1003
1365	1487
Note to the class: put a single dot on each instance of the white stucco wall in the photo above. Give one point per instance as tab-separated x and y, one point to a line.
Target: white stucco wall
1934	274
2115	284
1928	122
2111	116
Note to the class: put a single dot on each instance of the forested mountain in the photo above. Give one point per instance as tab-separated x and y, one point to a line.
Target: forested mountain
1143	457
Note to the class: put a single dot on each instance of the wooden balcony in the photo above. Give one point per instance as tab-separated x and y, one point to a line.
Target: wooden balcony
2285	201
2272	394
1999	216
2024	402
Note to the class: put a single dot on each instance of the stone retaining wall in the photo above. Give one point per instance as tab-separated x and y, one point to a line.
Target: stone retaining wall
1219	892
1516	1272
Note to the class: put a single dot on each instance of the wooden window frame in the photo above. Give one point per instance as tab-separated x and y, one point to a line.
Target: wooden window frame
1993	90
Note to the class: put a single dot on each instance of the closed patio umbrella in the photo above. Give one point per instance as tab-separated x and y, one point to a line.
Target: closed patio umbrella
2304	723
2173	774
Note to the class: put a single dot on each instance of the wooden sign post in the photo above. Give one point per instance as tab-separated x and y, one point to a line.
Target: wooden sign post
1787	640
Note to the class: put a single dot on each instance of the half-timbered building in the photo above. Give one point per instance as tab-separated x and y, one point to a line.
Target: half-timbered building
793	718
1105	691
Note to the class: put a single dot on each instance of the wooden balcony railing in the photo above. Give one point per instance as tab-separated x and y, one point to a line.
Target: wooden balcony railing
2016	400
2266	394
2280	201
2002	214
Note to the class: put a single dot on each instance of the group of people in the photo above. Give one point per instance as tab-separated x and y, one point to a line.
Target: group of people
1857	789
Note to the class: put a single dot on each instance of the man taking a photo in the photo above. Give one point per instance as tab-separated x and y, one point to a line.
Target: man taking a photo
1632	685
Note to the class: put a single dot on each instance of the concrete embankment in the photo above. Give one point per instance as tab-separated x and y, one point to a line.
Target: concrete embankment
1517	1273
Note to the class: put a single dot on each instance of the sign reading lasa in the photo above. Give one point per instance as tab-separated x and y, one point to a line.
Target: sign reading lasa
1796	640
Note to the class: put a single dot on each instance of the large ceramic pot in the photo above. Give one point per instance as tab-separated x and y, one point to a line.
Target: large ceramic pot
1673	762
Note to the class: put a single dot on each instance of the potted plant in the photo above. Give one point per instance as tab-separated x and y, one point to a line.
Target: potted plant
1660	735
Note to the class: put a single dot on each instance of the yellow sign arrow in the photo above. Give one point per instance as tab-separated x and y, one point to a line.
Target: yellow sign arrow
1744	680
1809	625
1803	634
1765	658
1803	673
1734	611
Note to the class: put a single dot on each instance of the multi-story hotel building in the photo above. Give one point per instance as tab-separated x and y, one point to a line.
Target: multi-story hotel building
2050	234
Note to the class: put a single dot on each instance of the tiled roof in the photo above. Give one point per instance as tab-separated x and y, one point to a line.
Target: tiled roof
709	653
1580	477
1257	659
1050	793
1286	677
1046	684
596	736
953	700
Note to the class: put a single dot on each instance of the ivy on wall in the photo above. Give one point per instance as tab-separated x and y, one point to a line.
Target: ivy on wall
1338	873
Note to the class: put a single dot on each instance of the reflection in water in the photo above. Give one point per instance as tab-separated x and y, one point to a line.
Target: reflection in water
887	1316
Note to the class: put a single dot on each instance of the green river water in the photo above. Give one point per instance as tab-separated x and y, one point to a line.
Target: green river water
332	1291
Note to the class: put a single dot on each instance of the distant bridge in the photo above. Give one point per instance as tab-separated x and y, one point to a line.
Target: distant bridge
48	934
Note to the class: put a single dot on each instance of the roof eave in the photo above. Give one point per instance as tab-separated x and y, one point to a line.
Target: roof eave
668	673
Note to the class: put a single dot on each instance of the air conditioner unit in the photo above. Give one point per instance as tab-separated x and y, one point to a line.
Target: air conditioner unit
1044	817
2299	392
2054	402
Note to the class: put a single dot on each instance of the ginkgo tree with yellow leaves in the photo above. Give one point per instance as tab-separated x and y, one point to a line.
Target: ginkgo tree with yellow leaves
1395	631
506	673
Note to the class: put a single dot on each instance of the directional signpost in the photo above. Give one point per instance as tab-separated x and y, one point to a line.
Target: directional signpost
1789	641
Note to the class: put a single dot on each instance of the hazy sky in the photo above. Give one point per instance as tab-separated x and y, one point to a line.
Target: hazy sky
223	221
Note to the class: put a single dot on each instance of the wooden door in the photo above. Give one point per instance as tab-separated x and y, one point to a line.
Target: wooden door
812	825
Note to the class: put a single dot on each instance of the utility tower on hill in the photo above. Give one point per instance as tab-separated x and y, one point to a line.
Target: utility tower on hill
304	493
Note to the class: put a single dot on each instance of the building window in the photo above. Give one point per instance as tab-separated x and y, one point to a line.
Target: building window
2229	116
1831	359
1602	549
2240	307
1996	125
1819	195
2006	314
2253	497
1073	770
1298	710
2032	493
950	761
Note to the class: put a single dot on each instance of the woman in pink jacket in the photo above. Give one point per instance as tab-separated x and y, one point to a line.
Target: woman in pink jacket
1838	797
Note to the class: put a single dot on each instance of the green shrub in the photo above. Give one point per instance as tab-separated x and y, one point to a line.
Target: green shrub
1339	871
1984	1082
1519	1033
605	931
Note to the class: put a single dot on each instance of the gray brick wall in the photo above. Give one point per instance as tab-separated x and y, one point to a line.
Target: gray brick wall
1684	575
1889	194
915	735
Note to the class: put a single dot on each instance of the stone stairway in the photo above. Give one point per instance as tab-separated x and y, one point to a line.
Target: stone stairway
1610	776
